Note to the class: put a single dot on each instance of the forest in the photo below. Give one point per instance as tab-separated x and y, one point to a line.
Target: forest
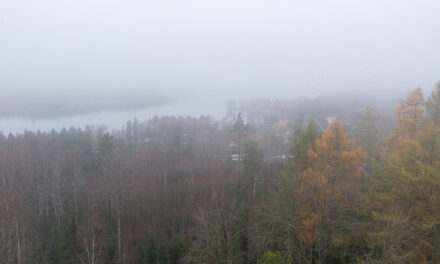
276	183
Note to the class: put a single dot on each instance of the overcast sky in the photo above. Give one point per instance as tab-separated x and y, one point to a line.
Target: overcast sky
67	57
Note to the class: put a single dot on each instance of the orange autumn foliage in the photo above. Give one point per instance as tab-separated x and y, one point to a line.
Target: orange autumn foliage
408	118
329	185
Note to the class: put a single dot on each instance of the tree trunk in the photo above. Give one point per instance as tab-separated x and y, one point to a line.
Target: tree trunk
255	187
119	236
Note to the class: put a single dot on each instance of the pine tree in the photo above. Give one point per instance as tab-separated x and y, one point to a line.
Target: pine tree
59	250
104	150
240	131
164	255
368	135
273	258
151	254
252	163
302	142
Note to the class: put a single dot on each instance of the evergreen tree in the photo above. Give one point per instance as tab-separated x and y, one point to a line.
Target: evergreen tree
252	163
177	247
59	248
273	258
368	135
104	149
151	254
163	255
240	130
240	242
304	139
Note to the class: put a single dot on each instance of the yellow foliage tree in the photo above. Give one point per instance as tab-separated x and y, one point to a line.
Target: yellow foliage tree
409	119
404	200
430	137
329	186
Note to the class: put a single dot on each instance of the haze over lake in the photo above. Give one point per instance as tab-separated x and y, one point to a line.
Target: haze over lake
100	62
115	119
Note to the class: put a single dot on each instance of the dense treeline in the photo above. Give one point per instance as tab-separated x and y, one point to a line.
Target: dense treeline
130	196
338	201
196	190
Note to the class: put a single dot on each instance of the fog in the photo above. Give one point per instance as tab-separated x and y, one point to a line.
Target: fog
77	62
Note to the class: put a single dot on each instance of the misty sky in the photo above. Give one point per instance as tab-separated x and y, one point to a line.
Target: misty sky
68	57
